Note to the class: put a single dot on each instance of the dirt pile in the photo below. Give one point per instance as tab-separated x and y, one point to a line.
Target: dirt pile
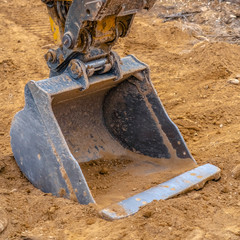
191	76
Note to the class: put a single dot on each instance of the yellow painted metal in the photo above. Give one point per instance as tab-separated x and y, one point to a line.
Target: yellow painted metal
105	29
56	31
55	26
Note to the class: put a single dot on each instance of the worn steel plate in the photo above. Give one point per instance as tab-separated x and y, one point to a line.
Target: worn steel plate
194	179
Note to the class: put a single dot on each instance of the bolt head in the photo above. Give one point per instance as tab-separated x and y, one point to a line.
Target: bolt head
48	56
75	69
67	41
51	56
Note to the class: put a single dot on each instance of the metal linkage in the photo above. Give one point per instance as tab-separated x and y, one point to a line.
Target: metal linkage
88	30
76	67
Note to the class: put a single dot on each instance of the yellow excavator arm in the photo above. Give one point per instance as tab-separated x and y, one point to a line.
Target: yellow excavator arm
56	31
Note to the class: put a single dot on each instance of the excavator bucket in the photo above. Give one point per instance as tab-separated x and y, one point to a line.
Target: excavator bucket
109	141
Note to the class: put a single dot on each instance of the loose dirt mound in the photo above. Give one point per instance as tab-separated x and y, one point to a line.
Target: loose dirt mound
191	76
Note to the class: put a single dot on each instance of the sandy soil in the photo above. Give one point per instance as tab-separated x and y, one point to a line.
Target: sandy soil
190	68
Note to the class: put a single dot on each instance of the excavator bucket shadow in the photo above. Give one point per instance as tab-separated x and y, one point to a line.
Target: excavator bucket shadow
113	137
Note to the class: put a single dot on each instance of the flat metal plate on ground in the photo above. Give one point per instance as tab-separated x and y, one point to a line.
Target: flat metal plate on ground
193	179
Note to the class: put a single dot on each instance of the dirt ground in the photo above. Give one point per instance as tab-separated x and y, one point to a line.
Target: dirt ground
191	59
